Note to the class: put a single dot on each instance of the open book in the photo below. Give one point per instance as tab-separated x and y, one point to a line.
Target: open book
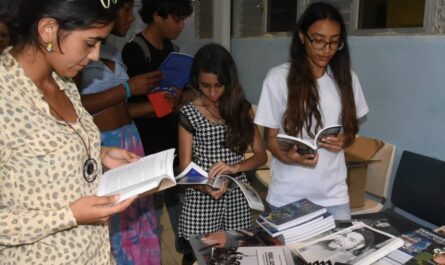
358	244
286	142
149	174
195	175
175	70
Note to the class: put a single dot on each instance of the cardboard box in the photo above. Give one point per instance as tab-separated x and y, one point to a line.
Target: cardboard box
358	156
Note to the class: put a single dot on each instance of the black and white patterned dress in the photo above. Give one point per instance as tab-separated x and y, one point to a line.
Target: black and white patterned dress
200	212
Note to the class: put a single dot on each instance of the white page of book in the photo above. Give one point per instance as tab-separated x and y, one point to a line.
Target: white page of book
135	178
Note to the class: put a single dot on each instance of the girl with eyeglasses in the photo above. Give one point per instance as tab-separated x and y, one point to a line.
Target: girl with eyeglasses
316	89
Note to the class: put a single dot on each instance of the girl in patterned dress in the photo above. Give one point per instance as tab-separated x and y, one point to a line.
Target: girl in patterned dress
214	132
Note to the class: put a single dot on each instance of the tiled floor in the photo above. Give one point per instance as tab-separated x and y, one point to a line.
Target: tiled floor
168	250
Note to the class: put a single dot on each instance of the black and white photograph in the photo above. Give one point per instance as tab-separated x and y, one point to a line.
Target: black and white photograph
351	246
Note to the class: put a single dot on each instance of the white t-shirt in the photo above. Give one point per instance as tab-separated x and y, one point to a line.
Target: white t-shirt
325	183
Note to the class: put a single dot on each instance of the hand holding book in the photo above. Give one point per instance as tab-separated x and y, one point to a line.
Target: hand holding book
221	168
305	147
175	70
215	192
195	175
142	84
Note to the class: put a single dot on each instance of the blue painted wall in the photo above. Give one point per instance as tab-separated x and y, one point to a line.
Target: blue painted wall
403	79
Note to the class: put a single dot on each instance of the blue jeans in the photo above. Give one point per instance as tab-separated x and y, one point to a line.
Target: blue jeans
340	212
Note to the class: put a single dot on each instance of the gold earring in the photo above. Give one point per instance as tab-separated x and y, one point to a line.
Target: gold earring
49	47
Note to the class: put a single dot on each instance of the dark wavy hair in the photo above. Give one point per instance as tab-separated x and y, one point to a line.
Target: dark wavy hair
233	106
303	97
23	17
164	8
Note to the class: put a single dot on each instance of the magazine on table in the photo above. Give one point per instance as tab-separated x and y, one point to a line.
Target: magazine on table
260	255
380	223
420	247
149	174
234	239
286	142
195	175
358	244
249	250
292	214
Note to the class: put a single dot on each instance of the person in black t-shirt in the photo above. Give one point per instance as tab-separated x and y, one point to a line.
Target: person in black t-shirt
164	21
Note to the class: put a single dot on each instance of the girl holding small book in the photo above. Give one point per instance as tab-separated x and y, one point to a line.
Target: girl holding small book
214	132
316	89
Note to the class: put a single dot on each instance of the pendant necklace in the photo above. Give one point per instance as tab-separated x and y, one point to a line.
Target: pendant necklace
90	167
219	121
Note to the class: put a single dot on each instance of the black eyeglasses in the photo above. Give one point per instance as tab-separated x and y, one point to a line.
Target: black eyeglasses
321	44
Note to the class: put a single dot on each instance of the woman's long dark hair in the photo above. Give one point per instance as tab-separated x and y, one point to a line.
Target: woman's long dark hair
23	17
233	106
303	97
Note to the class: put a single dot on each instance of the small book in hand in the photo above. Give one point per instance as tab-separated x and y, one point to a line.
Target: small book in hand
175	71
304	147
195	175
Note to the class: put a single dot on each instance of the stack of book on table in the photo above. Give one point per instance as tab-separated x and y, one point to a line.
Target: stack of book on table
296	221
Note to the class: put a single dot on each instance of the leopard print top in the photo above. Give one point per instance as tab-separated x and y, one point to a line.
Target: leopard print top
41	165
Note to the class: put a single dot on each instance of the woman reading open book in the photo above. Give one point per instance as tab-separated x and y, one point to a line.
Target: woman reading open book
315	90
214	132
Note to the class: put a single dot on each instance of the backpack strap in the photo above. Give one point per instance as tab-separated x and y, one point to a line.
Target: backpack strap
138	39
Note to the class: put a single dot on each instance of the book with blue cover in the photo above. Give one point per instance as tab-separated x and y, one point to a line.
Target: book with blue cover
175	70
292	214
